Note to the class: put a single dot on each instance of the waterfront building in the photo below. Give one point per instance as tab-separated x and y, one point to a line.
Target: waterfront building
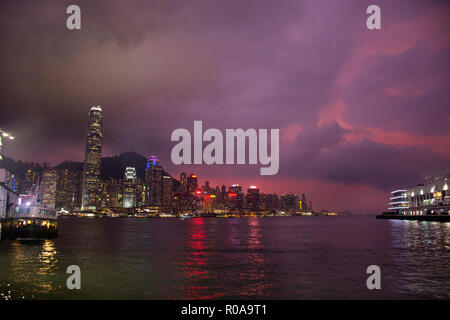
92	160
129	188
47	188
429	197
398	202
8	194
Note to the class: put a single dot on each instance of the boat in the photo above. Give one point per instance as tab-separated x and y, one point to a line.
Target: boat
33	220
186	216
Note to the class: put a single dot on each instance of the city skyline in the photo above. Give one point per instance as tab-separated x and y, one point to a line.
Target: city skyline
360	113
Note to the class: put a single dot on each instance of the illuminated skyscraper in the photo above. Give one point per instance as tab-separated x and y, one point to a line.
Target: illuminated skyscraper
289	202
253	198
68	189
235	196
129	188
192	187
183	189
92	160
167	191
154	181
48	187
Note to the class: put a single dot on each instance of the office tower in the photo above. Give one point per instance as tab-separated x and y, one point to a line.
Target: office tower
303	204
68	195
129	188
31	179
183	189
114	193
253	198
290	202
92	160
209	202
272	202
192	187
47	188
206	187
167	191
236	197
153	180
141	189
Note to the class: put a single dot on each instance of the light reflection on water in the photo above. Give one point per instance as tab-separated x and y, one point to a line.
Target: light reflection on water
260	258
33	263
421	251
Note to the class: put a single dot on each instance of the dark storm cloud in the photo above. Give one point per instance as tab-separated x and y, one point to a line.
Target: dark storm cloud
326	154
403	92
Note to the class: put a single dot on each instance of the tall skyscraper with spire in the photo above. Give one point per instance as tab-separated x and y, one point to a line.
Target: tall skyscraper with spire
92	160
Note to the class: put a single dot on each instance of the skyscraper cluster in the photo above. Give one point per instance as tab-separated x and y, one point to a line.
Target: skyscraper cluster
74	186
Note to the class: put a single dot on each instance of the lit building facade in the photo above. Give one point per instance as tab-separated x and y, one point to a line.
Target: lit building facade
290	202
68	189
154	180
167	191
8	194
430	197
253	199
235	197
114	193
129	188
398	202
47	187
92	160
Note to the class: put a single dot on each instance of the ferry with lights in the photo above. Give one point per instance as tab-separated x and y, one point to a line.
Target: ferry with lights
33	220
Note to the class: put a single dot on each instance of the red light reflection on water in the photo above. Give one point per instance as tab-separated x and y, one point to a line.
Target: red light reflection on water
196	268
208	274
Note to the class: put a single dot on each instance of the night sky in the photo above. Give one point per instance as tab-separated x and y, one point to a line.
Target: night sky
360	112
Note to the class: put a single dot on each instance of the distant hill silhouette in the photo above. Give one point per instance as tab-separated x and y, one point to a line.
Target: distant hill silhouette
71	165
19	167
112	167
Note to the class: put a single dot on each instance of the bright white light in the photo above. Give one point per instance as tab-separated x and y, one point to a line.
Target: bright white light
445	187
5	134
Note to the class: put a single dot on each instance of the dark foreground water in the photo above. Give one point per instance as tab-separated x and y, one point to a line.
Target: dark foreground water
273	258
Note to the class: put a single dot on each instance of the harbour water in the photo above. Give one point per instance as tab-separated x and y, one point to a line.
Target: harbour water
234	258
